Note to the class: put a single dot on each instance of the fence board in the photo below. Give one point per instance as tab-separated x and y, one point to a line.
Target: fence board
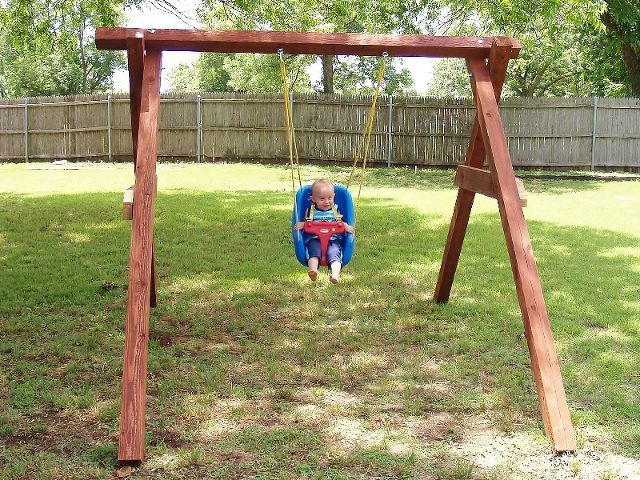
547	132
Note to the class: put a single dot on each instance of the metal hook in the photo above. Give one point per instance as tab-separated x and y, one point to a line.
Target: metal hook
385	54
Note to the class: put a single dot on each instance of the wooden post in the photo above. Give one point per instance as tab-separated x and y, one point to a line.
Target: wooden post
501	51
139	101
544	360
134	374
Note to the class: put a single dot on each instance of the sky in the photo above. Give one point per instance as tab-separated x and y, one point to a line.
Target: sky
151	17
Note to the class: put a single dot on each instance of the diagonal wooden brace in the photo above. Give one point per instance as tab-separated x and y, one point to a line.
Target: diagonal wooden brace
134	374
502	50
544	359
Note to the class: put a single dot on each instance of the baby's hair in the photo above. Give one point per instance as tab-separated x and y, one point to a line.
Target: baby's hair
319	182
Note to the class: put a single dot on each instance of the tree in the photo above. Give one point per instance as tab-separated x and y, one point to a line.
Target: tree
622	21
450	79
207	74
378	16
360	75
47	47
588	47
215	72
561	43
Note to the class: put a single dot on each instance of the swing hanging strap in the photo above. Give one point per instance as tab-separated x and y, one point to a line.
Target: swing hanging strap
337	215
291	134
365	140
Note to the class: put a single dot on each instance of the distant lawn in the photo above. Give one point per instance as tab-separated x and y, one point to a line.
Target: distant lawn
255	371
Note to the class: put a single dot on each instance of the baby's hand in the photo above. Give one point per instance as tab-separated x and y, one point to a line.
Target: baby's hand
349	228
299	225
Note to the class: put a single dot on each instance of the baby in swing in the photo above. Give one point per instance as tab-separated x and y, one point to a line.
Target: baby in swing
324	210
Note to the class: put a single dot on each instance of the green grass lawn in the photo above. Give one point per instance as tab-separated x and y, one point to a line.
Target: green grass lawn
256	372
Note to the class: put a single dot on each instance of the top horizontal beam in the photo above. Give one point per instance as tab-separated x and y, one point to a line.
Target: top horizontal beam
245	41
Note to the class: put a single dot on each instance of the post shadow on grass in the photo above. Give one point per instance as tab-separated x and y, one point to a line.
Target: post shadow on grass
234	254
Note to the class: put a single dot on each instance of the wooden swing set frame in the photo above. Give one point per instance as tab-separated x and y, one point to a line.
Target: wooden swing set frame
487	60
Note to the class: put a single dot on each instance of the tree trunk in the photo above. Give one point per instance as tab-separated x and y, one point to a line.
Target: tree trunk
630	57
327	73
632	64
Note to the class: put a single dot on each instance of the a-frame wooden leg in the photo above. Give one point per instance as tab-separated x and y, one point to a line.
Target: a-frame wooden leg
138	102
544	359
501	51
134	375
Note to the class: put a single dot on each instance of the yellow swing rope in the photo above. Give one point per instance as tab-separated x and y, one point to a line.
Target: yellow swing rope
366	135
293	148
291	135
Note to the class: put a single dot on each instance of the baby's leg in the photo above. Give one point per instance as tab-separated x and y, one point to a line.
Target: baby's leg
334	259
313	267
314	250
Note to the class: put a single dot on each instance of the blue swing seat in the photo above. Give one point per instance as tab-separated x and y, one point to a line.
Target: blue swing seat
344	203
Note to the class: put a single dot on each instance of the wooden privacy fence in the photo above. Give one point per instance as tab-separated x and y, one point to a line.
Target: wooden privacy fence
584	133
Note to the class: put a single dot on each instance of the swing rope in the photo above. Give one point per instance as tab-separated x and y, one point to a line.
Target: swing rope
363	144
293	148
291	135
365	139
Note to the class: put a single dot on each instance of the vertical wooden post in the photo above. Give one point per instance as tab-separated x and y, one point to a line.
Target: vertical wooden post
134	375
544	360
501	52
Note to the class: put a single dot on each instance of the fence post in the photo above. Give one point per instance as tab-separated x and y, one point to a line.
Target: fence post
109	124
389	133
198	126
594	133
26	129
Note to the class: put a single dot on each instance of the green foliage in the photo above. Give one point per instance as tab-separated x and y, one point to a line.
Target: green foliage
248	73
359	76
569	48
206	74
47	48
214	72
450	79
261	73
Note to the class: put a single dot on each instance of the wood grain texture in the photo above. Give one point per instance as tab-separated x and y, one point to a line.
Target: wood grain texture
135	60
477	180
134	375
239	41
544	359
501	52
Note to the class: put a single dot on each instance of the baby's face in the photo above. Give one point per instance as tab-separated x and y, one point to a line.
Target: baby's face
322	196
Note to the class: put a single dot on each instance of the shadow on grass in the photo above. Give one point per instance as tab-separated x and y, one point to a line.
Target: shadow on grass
248	358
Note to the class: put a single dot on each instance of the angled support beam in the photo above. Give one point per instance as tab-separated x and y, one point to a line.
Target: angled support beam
135	57
544	359
139	102
134	374
477	180
502	50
